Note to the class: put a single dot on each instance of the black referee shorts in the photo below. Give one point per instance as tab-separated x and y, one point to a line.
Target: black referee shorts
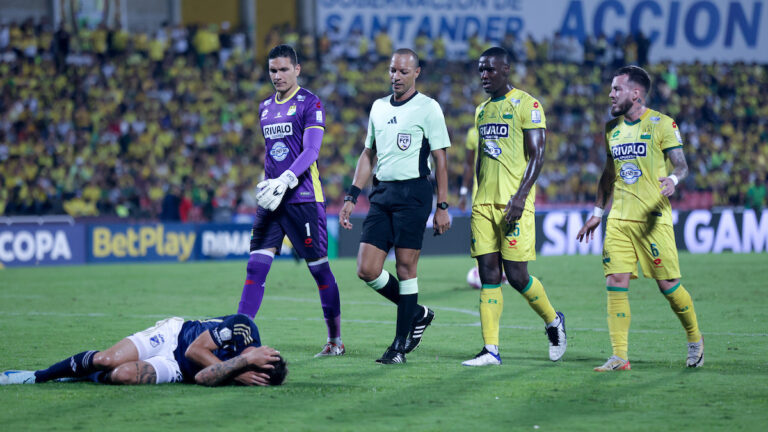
398	214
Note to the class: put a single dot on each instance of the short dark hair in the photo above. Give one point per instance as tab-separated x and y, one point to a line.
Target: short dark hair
637	75
279	372
408	51
284	51
497	52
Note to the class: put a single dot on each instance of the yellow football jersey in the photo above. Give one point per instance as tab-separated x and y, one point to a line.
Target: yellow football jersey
502	160
638	150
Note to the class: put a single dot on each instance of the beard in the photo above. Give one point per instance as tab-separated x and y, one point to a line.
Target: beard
621	109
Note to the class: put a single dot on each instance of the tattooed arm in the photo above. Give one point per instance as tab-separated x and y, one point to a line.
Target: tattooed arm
220	372
680	170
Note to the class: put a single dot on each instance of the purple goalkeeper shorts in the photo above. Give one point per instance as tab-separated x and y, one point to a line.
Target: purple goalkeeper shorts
303	223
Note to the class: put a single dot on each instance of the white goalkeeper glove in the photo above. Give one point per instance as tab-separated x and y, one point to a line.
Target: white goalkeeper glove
272	191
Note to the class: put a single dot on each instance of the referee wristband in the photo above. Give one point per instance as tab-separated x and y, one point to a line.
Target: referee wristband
352	194
463	191
674	179
598	212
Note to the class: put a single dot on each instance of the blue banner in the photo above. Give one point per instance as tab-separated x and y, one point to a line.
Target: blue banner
30	245
680	30
216	241
151	242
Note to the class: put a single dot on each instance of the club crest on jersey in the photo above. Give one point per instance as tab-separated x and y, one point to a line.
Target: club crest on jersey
292	110
278	130
225	334
279	151
492	149
494	131
403	141
629	151
629	172
156	340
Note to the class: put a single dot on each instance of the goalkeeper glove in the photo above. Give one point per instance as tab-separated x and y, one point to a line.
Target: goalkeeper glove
272	191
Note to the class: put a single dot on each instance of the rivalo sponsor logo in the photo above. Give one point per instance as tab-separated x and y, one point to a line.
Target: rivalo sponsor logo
494	131
278	130
629	151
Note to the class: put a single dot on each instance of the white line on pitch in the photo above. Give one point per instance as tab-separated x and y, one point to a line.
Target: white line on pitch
360	321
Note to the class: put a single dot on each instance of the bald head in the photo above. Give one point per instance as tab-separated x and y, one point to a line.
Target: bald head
403	71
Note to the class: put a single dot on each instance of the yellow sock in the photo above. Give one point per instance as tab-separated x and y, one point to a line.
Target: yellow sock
681	303
538	301
491	305
618	320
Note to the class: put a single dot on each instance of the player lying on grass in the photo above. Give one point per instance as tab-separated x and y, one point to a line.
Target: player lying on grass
211	352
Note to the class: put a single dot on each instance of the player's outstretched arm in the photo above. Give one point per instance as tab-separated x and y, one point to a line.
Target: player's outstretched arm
680	171
442	221
534	141
604	192
363	172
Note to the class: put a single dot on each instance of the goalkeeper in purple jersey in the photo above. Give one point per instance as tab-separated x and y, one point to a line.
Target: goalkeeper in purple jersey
291	201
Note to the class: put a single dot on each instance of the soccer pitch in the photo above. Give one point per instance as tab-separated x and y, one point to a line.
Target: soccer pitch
47	314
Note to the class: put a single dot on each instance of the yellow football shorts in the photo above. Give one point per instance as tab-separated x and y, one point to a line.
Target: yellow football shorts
491	233
627	242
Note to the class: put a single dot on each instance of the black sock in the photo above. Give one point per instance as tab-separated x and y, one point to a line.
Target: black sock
79	365
391	290
405	311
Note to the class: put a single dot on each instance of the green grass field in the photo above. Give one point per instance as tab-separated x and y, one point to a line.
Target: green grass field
47	314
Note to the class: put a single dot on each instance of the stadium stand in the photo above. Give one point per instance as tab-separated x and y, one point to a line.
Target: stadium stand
150	126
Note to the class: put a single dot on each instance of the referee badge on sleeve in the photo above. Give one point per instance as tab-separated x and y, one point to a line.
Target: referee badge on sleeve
403	141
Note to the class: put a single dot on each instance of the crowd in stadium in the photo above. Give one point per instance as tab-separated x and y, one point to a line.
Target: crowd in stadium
105	122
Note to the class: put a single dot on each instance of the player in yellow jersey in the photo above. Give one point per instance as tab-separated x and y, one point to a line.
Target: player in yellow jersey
639	142
512	134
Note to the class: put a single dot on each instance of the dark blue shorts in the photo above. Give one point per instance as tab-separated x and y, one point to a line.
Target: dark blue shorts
303	223
398	214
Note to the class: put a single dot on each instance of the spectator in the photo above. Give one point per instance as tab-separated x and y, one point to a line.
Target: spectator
171	208
106	133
